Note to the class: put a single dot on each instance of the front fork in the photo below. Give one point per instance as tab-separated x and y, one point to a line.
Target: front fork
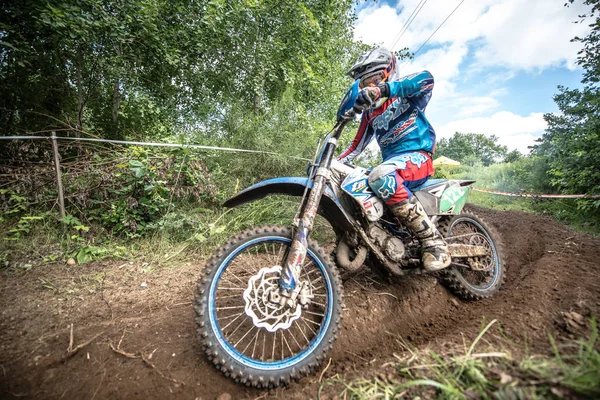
290	291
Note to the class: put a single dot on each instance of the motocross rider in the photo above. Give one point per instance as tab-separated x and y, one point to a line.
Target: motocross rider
394	113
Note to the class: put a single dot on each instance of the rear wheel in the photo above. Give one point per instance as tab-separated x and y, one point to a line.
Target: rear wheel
472	278
248	337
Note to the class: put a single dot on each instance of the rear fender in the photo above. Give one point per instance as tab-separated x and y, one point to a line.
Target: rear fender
330	207
454	199
443	197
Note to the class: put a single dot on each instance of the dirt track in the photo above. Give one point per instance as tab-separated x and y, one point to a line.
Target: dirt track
550	269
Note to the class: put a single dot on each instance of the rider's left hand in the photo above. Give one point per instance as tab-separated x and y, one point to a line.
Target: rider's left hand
367	98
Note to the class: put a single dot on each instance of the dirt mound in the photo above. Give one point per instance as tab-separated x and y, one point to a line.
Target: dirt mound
134	336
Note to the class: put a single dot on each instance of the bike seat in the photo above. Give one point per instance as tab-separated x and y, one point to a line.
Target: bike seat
428	183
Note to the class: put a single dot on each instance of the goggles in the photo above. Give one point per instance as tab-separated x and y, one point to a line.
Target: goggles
371	80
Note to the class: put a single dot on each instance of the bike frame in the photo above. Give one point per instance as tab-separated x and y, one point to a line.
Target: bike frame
294	259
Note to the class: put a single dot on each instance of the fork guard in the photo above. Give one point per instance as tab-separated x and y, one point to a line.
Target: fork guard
330	207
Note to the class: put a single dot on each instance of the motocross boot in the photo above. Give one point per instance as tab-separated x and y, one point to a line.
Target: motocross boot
434	251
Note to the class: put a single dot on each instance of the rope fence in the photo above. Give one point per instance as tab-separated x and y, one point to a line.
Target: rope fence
61	196
127	142
539	196
55	139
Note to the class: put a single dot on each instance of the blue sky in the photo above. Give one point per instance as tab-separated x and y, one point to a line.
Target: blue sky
496	63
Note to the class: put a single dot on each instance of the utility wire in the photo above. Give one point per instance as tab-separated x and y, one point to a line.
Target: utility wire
408	22
443	22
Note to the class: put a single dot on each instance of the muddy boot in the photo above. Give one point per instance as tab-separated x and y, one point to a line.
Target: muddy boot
434	252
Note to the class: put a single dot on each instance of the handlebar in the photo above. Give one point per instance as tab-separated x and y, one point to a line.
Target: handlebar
344	119
350	114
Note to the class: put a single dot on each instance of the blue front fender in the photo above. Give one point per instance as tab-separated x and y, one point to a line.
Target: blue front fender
330	207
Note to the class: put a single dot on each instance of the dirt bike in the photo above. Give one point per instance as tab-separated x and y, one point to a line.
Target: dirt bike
269	303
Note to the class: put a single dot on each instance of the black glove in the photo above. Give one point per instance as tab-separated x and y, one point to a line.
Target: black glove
367	98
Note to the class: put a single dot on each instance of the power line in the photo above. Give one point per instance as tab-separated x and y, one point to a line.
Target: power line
443	22
408	22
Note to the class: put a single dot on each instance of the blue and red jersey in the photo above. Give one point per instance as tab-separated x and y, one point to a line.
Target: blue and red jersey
399	124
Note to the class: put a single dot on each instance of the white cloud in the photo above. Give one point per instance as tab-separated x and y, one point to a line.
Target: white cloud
476	105
519	34
513	131
376	23
532	34
474	55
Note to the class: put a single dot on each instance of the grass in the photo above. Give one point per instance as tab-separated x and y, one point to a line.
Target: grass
511	373
575	365
189	232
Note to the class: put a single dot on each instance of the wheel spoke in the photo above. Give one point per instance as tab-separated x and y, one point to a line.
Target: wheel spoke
314	313
238	327
236	277
279	255
231	322
294	337
274	339
231	316
312	322
229	308
282	348
302	331
319	279
244	337
264	345
286	343
233	296
255	342
318	304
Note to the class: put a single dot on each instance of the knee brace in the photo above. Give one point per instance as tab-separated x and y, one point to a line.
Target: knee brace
387	184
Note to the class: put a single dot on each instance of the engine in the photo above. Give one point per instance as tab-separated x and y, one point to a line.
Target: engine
391	245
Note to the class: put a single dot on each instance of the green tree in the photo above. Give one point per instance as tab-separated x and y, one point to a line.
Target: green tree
571	142
150	67
471	148
513	156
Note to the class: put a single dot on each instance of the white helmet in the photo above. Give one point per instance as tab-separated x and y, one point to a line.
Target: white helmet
376	60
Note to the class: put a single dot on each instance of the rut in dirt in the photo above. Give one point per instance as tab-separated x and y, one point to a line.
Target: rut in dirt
550	269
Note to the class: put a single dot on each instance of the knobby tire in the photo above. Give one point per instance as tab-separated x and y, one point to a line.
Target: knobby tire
208	334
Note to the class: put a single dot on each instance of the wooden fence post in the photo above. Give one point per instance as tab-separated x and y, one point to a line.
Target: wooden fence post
61	197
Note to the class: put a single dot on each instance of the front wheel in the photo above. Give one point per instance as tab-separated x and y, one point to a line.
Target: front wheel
472	278
248	337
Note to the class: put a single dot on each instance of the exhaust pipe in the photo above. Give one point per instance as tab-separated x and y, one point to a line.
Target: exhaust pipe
342	257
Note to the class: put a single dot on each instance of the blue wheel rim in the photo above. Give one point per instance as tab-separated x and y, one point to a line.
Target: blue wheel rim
232	351
495	268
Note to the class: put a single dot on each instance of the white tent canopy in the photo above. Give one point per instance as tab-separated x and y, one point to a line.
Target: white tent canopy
443	160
